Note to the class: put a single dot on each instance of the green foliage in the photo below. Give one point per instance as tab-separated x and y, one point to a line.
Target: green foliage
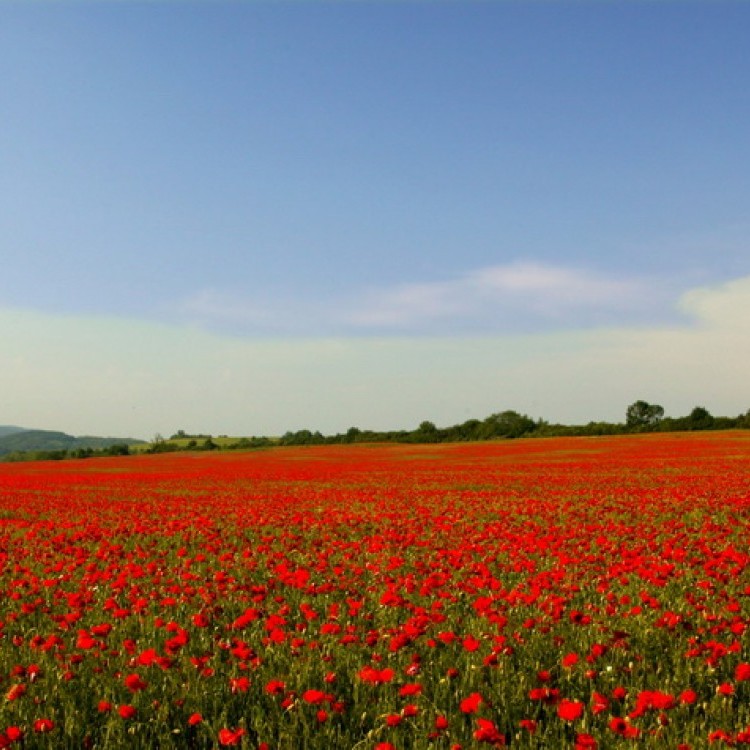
642	415
700	419
51	441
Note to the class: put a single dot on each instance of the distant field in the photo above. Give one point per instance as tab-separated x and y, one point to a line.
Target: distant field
555	593
183	443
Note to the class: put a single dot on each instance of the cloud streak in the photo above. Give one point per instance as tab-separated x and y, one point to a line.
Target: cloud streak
517	297
544	294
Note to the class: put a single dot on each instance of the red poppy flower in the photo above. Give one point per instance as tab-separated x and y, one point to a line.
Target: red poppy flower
569	710
239	684
275	687
313	696
585	742
127	711
471	704
134	683
42	726
411	689
488	732
14	734
441	723
231	736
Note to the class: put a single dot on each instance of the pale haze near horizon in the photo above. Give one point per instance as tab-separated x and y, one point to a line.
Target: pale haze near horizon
245	218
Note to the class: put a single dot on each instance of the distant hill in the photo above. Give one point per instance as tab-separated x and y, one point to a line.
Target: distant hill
23	441
9	429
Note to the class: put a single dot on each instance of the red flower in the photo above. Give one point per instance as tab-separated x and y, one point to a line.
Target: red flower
200	620
134	683
742	672
239	684
14	734
231	736
548	696
585	742
471	643
599	703
622	727
127	711
470	705
313	696
488	732
720	735
375	676
194	719
15	692
570	710
411	689
275	687
619	693
42	726
688	697
441	723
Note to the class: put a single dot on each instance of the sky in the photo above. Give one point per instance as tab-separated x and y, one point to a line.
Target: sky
252	217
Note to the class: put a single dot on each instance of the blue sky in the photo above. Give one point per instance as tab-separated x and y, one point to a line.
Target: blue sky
376	212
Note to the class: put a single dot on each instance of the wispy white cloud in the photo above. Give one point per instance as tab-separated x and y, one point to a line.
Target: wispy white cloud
502	296
508	298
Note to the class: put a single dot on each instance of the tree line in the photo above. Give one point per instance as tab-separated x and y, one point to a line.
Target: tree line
118	449
640	416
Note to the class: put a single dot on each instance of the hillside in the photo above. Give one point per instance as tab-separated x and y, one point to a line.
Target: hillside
51	440
10	429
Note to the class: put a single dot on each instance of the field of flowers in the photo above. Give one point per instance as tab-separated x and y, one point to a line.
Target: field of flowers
559	593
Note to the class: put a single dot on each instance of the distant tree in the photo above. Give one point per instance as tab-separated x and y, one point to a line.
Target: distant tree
427	432
160	445
507	424
469	430
352	434
118	449
700	419
302	437
642	414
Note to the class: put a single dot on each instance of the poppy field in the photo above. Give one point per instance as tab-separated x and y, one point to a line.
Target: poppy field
552	593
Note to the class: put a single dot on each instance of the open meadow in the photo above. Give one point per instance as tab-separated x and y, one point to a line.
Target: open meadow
556	593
